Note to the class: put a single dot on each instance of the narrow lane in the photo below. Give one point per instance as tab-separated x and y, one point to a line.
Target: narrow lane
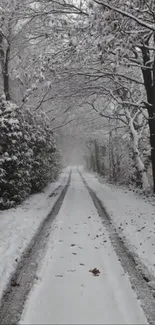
68	292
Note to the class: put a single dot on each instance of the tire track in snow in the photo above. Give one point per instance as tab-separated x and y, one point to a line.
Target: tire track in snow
138	280
21	282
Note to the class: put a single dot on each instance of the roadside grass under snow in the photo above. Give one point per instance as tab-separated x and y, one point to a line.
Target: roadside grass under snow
20	224
133	217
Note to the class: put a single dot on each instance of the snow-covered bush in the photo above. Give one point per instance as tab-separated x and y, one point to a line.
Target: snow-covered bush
28	155
45	166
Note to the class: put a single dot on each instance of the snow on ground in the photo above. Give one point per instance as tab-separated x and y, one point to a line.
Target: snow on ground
133	216
19	225
67	292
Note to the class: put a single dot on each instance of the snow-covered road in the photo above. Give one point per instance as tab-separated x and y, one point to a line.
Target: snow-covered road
66	292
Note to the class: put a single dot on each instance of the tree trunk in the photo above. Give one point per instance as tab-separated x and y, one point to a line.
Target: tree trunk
152	143
92	163
4	60
102	168
111	159
97	156
5	72
149	82
142	179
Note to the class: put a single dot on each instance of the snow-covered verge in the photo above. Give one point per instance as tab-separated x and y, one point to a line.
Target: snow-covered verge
133	216
19	225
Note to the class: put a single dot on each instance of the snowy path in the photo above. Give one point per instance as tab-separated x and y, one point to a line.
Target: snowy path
66	292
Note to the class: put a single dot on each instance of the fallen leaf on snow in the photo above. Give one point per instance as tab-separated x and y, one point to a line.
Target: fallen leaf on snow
95	271
59	276
14	283
37	277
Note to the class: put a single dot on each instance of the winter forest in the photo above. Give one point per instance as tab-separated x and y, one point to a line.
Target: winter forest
77	86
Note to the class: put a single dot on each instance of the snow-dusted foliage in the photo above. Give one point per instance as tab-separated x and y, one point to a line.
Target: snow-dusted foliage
89	65
114	159
28	155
